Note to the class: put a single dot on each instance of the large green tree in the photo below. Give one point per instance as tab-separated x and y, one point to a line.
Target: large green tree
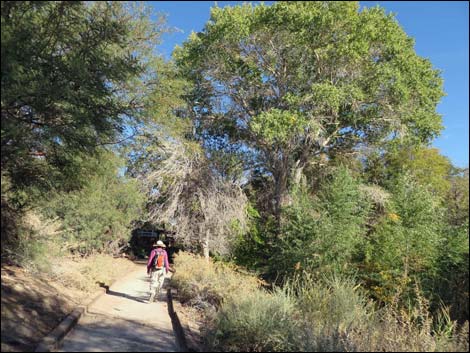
295	80
70	80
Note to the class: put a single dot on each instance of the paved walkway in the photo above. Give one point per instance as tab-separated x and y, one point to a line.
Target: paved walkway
123	321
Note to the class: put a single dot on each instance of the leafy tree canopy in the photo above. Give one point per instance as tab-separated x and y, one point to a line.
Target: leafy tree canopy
292	80
70	81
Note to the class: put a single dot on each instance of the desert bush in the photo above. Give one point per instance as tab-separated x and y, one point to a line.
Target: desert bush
257	321
35	242
204	283
332	308
338	316
309	314
335	301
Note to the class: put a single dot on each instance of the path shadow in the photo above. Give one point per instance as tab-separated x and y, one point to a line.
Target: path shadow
145	278
141	299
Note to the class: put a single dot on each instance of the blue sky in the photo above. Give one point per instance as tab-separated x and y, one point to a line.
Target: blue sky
440	30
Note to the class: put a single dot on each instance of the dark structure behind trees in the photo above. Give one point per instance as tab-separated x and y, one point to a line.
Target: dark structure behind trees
142	240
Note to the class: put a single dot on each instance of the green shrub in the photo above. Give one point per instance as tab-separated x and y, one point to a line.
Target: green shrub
255	322
100	214
323	233
452	280
310	314
404	246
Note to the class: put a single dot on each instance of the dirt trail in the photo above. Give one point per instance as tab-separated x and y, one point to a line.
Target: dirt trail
123	321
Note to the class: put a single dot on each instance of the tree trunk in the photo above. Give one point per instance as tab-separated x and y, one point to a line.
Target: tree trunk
298	170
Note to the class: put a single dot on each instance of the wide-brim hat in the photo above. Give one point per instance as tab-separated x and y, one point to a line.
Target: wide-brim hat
160	243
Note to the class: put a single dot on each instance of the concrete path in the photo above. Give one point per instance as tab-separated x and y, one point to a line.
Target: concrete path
123	321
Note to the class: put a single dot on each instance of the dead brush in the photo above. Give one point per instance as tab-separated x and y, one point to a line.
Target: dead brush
84	273
201	283
412	329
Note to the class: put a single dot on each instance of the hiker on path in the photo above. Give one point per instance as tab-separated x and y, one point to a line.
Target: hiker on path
157	267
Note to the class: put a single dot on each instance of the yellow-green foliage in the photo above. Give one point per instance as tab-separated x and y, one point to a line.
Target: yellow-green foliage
307	315
39	249
278	126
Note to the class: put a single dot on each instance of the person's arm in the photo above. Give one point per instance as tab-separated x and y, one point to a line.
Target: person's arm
167	264
152	254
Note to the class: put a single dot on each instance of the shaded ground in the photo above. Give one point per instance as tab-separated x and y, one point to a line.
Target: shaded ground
123	321
31	306
100	333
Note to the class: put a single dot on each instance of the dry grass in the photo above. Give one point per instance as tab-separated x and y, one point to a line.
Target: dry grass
307	315
84	274
41	250
34	301
201	283
338	317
